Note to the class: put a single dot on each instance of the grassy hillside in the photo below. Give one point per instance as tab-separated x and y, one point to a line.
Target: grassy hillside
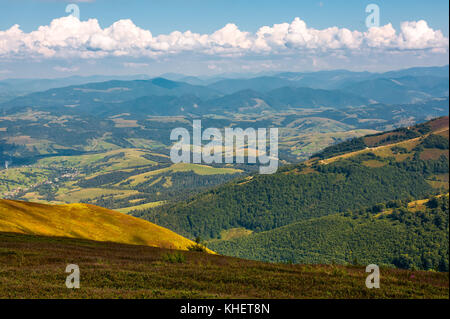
34	267
406	137
87	222
404	235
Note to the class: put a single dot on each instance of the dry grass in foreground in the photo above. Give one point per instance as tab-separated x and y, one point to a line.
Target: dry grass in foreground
34	267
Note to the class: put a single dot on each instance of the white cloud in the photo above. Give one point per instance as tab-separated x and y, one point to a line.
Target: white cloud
135	65
381	37
65	69
68	37
418	35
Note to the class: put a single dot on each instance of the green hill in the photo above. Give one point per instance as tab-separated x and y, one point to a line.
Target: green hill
400	237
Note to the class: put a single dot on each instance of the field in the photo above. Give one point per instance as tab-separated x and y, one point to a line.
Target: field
34	267
304	145
115	179
126	210
180	167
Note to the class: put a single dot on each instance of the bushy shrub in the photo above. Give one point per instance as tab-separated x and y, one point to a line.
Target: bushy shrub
174	258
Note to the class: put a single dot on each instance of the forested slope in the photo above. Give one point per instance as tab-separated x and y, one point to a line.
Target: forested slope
389	170
397	236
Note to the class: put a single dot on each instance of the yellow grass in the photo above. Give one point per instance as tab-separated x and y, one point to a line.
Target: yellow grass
182	167
131	158
417	205
76	195
168	183
234	233
385	150
373	163
439	181
86	222
126	210
120	122
438	184
444	133
433	154
414	206
382	151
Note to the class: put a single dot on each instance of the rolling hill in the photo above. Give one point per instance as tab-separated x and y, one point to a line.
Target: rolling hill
327	80
311	98
407	89
260	84
85	222
92	97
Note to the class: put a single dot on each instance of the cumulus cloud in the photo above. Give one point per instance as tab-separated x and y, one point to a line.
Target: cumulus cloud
418	35
135	65
70	37
65	69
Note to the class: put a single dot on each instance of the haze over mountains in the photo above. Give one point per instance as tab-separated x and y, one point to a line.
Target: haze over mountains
335	89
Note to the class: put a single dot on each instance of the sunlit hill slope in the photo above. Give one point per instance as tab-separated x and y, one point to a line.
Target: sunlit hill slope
86	222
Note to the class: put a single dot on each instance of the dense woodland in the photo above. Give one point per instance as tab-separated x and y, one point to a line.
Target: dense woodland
268	202
401	238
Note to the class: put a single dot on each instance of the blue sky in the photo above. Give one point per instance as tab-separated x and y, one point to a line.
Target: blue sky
204	17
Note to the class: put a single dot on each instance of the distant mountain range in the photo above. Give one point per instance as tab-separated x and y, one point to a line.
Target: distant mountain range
334	89
159	96
10	88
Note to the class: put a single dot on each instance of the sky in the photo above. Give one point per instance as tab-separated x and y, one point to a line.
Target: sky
38	38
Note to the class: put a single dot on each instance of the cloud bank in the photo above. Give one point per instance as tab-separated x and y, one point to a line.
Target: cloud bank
68	37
